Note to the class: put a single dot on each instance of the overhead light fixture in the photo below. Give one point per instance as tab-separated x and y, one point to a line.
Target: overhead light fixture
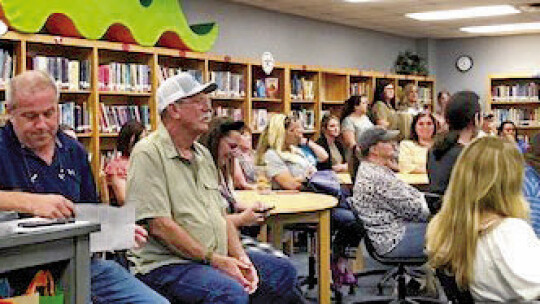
502	28
471	12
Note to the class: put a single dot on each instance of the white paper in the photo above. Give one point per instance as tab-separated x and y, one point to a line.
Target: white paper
117	226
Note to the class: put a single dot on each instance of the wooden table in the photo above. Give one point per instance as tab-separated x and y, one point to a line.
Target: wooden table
300	207
414	178
344	178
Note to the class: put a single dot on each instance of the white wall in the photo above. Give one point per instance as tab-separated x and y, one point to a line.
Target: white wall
491	55
248	31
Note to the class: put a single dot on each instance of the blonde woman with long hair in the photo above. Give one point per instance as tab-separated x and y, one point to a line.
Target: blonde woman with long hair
279	149
481	235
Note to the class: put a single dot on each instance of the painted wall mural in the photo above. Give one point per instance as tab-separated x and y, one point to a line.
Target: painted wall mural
144	22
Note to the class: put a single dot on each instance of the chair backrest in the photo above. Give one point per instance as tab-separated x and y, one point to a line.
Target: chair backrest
434	201
451	289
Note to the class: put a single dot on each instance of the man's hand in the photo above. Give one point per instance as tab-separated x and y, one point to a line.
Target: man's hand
234	268
141	236
250	274
51	206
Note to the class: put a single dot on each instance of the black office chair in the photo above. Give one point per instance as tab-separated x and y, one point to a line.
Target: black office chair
451	289
398	273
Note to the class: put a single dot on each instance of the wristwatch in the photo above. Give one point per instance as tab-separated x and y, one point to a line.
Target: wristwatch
207	260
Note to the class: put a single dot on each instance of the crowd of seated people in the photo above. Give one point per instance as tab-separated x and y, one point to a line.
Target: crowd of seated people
182	179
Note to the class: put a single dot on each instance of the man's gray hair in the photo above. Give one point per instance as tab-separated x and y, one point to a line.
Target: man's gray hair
29	82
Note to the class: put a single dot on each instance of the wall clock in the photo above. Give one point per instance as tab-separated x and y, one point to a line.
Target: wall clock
464	63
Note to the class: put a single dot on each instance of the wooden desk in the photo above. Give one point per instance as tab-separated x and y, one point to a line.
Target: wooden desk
300	207
414	178
72	244
344	178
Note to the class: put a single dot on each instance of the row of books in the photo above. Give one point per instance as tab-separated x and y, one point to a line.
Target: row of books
106	156
234	113
520	92
228	84
259	119
69	74
521	117
306	117
266	88
113	117
359	88
425	95
131	77
166	72
302	88
75	115
7	68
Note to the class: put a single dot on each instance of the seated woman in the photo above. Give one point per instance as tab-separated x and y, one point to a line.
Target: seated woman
116	170
508	130
286	165
481	235
329	141
222	140
443	97
413	153
354	119
244	162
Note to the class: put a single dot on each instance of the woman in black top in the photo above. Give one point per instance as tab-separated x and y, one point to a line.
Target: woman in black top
464	119
328	139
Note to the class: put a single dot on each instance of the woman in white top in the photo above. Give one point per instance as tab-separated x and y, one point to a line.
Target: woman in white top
481	235
286	164
354	119
413	153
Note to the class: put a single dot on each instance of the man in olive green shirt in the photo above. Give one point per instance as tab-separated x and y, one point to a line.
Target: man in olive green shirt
194	253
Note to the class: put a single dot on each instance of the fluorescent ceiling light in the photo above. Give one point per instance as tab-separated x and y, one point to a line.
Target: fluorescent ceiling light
501	28
471	12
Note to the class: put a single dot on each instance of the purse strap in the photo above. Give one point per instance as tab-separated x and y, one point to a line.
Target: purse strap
43	278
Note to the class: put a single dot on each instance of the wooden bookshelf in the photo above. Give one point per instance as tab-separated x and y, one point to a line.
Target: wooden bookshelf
515	97
330	86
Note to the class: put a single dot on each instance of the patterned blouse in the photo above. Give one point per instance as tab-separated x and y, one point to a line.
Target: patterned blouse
385	204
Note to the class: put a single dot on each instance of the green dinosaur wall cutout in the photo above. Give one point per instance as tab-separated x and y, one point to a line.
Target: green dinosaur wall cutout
145	22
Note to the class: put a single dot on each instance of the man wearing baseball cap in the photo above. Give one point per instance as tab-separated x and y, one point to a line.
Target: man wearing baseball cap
194	254
393	212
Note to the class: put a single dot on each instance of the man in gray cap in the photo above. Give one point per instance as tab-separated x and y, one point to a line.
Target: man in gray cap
194	254
393	212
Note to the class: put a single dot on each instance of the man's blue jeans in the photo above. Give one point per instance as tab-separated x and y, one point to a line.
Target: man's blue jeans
197	283
111	283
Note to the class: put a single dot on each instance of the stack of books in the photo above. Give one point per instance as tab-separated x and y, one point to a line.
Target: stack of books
229	84
266	88
234	113
520	92
6	66
130	77
302	88
113	117
69	74
166	72
359	88
306	117
77	116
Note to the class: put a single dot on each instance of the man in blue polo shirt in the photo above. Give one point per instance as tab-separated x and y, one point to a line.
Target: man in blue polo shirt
44	171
